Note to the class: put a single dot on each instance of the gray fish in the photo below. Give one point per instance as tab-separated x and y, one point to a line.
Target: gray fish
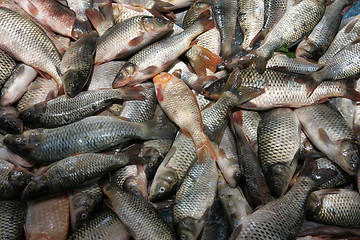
103	75
132	179
334	207
12	219
274	10
7	64
9	121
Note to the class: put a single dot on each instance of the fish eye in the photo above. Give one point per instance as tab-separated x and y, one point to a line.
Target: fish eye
162	189
18	139
83	215
150	164
183	237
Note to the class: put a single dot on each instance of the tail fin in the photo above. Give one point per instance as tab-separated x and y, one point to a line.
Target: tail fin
203	59
131	93
351	92
258	37
310	83
204	20
205	150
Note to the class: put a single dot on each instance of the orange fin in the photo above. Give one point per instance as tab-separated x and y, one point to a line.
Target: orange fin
204	59
32	9
204	149
136	41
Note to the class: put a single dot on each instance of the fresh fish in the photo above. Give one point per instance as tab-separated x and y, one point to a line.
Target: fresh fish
254	183
77	63
330	133
13	180
103	75
104	226
182	154
194	197
12	219
47	219
26	42
180	105
323	33
40	90
283	217
73	171
84	202
130	36
141	110
296	22
63	110
233	201
133	210
54	16
335	207
296	65
228	161
7	64
91	134
159	56
9	121
225	15
276	84
279	144
345	36
317	229
132	179
17	84
251	20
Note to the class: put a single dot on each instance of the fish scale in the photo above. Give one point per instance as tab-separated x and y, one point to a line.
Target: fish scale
7	64
12	219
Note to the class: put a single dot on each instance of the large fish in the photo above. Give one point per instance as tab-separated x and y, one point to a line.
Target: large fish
329	132
28	43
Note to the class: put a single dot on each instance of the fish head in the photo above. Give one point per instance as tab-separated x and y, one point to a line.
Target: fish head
126	75
279	179
21	176
348	156
305	49
189	229
33	114
81	207
156	24
36	188
215	89
10	124
73	82
164	187
201	6
23	143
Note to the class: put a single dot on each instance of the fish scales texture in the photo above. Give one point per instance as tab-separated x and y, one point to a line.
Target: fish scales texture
12	219
136	213
7	64
341	177
251	120
104	226
295	65
103	75
335	207
274	10
26	42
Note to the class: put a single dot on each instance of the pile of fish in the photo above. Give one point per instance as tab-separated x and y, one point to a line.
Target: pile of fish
179	119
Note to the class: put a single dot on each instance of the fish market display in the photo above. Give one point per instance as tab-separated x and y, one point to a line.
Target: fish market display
179	119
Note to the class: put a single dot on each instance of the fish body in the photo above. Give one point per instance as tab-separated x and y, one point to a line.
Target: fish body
103	75
27	42
132	179
133	210
7	65
9	121
135	33
77	63
12	219
334	207
63	110
329	132
48	218
274	10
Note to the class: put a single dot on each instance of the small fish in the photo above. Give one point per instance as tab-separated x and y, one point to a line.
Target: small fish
322	204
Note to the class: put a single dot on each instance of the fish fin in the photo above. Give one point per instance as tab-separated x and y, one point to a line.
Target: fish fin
107	10
80	29
202	82
204	20
149	70
203	149
310	83
347	7
204	59
324	137
349	27
248	58
96	19
351	92
161	3
41	171
32	9
249	105
170	15
136	41
260	64
237	118
296	2
258	37
132	93
236	233
109	204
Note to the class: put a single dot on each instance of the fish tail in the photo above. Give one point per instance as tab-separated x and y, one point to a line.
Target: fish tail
351	92
203	149
260	64
310	83
204	59
204	20
131	93
258	37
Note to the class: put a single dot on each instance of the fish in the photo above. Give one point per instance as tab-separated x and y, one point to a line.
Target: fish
234	202
6	154
104	226
296	22
225	15
194	197
347	109
180	105
17	84
323	33
7	65
103	75
9	121
77	63
12	219
159	56
329	132
13	180
272	81
83	136
283	217
48	218
63	110
135	33
54	16
132	209
122	12
253	182
279	144
73	171
40	90
132	179
321	205
84	202
274	10
26	42
349	33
